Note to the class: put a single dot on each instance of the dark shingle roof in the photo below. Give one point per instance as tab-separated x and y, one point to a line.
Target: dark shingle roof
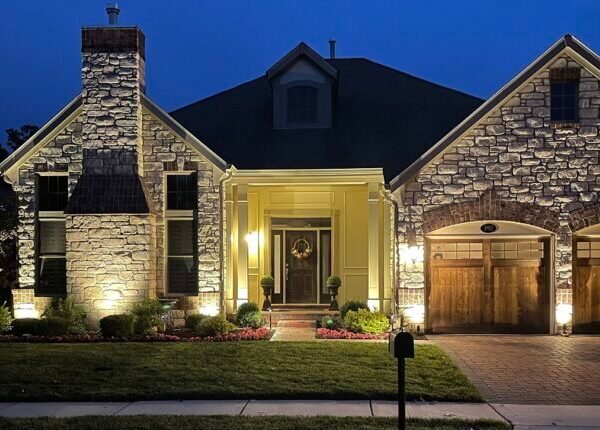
382	118
108	194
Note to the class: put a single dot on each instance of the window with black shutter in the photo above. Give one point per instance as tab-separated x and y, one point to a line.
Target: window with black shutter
564	95
181	262
52	195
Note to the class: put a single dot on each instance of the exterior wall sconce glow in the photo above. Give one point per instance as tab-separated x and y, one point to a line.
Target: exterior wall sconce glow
564	312
209	309
411	255
25	310
373	304
252	241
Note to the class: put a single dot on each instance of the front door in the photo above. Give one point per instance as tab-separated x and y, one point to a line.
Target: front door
301	266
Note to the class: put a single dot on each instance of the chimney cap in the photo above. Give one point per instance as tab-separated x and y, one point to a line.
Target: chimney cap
112	10
332	43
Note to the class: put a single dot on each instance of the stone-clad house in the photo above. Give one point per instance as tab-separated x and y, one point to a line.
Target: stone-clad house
468	216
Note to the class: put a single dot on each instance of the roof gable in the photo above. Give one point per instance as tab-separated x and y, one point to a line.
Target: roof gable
302	50
566	43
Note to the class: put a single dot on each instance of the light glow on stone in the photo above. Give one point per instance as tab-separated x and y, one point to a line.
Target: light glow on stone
415	313
25	310
209	309
564	313
411	254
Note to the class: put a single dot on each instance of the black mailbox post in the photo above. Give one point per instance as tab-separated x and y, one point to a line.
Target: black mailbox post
401	346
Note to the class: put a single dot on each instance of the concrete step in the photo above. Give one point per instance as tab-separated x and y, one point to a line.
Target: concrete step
297	324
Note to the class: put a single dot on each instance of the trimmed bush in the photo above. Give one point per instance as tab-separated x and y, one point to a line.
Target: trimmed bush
249	315
363	321
334	281
214	326
73	314
352	305
331	322
193	320
117	325
267	281
53	326
147	316
6	319
23	326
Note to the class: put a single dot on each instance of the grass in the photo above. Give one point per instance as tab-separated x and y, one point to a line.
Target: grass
239	423
233	370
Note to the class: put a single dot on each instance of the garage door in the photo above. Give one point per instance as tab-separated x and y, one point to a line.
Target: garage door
487	286
586	286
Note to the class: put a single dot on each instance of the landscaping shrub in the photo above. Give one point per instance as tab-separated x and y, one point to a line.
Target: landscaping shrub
23	326
6	319
325	333
117	325
363	321
73	314
331	322
249	315
53	326
352	305
193	320
147	316
214	326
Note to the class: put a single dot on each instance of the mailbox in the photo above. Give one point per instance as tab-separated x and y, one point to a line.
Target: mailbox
401	344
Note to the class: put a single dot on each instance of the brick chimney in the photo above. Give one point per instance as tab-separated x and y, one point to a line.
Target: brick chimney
113	80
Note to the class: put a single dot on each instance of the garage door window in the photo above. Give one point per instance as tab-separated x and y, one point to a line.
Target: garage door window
518	250
457	251
588	249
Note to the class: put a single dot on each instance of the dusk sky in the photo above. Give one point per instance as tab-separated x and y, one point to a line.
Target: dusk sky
198	48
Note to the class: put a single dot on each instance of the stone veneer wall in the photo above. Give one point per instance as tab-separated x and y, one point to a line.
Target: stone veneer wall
514	155
110	262
61	154
163	151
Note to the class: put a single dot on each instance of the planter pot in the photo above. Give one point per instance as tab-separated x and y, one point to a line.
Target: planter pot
333	292
268	292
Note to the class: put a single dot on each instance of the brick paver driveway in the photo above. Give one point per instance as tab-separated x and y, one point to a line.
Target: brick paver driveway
529	369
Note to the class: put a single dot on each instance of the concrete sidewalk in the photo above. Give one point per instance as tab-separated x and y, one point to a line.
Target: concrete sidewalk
523	417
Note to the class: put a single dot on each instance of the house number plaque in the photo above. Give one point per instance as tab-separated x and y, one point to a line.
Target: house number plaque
489	228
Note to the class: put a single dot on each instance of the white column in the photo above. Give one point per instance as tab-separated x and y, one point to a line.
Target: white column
242	245
374	248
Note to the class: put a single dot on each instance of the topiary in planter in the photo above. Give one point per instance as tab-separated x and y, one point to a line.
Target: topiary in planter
334	281
352	305
214	326
117	325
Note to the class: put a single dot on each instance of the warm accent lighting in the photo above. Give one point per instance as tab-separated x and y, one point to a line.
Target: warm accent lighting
564	312
209	309
415	314
412	254
25	310
252	241
373	304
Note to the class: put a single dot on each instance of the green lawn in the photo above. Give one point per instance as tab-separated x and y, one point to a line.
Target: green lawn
233	370
238	423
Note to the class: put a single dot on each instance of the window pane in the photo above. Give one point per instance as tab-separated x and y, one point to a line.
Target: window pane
302	103
52	193
182	192
52	237
181	238
182	275
52	278
564	101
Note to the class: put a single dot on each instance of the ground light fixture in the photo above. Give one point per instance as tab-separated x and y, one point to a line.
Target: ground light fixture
564	313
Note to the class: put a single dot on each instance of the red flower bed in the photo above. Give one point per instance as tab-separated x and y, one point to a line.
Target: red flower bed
244	334
325	333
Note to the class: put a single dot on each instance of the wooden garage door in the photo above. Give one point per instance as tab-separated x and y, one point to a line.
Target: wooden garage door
586	286
484	286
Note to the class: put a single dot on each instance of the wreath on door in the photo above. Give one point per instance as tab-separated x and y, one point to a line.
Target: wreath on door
301	249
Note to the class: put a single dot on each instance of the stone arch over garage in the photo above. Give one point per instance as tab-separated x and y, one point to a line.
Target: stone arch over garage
490	206
584	217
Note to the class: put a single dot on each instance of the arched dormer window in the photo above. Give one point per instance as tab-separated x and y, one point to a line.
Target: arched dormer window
302	105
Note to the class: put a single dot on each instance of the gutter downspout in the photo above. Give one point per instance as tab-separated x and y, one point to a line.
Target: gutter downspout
389	197
222	183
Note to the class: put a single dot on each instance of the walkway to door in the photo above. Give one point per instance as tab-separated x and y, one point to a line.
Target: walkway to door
526	369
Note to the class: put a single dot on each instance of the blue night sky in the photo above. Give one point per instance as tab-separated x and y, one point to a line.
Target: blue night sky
197	48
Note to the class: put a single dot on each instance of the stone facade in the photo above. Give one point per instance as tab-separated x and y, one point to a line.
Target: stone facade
514	165
110	262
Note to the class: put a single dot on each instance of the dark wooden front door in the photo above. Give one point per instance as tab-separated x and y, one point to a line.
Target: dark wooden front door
479	286
586	286
301	271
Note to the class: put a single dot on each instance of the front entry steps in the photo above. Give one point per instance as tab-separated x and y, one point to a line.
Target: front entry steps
312	313
295	331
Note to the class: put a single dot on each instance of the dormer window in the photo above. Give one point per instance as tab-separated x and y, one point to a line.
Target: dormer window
302	104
